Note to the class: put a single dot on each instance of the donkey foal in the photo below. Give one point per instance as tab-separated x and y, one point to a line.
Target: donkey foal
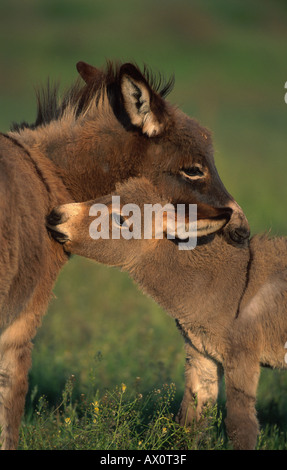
114	125
229	302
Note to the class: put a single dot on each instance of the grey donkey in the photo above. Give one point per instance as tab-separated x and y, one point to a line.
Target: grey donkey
229	301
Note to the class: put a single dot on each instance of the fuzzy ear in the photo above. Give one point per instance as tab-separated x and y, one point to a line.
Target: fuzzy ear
177	224
144	107
88	72
200	222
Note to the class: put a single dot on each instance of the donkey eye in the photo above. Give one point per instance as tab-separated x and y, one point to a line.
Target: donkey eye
118	219
194	172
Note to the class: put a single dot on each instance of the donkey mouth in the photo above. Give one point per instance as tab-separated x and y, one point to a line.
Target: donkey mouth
58	236
235	227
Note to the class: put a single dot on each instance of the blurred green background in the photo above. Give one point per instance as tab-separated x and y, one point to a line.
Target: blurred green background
230	64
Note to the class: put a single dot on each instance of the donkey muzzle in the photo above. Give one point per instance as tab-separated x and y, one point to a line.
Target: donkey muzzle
237	230
53	220
240	235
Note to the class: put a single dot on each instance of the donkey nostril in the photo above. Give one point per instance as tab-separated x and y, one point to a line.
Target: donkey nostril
240	234
54	218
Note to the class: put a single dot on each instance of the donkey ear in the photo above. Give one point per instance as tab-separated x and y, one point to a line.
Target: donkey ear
178	225
144	107
204	221
88	72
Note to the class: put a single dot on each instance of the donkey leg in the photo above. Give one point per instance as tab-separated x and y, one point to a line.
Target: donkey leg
14	365
241	381
15	362
202	380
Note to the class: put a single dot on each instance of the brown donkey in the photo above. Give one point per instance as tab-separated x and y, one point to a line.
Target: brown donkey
229	302
115	125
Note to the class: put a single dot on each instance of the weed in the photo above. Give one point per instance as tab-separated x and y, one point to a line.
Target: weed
118	420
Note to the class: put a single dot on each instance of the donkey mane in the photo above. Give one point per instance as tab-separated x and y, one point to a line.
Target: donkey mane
77	99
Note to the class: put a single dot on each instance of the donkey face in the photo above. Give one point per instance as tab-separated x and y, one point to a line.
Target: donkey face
160	142
118	238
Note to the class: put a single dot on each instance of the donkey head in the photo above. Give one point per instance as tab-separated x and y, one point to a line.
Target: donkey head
118	229
156	140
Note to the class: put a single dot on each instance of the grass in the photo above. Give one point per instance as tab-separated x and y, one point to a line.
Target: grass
228	60
118	420
121	419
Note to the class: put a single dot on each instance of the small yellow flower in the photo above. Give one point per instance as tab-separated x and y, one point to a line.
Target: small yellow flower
68	420
96	407
140	443
124	387
164	430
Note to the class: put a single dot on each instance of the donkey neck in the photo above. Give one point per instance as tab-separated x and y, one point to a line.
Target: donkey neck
200	284
91	155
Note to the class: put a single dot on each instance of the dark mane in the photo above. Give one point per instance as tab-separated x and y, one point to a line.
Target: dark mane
51	107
